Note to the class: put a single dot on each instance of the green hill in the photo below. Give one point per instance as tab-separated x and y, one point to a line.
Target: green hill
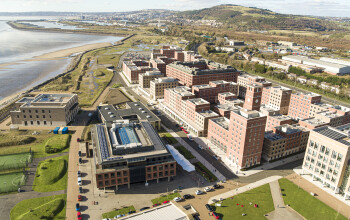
245	18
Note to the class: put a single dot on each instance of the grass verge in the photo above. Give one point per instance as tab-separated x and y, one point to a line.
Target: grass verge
305	204
169	197
51	175
50	207
202	170
260	196
124	210
185	152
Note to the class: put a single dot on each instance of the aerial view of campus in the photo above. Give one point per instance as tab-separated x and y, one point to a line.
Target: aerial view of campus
174	110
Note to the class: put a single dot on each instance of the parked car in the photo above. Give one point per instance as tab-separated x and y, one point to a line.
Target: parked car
199	192
79	173
216	186
190	137
78	213
80	189
165	202
80	160
78	140
200	147
210	209
207	189
79	153
79	217
187	196
77	207
80	198
216	157
186	132
119	216
131	212
177	199
144	208
216	216
157	204
80	181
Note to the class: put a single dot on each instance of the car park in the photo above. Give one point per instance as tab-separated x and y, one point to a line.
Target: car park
210	209
77	207
207	189
216	186
80	189
216	216
187	196
177	199
199	192
144	208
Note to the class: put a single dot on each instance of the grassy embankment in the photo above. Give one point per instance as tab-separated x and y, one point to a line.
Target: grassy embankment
12	142
121	211
163	198
51	175
51	207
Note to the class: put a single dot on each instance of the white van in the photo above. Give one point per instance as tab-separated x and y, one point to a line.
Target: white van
79	181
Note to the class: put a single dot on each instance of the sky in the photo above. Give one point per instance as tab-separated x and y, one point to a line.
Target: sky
338	8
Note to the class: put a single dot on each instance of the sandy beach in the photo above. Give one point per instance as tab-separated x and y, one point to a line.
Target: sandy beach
70	51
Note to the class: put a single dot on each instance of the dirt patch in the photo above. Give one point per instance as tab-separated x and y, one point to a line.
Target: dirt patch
115	97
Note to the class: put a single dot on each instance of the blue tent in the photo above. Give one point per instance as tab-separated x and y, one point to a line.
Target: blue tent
55	131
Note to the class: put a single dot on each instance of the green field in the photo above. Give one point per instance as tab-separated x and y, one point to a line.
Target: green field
50	207
118	212
14	161
165	198
51	175
11	181
57	143
260	196
305	204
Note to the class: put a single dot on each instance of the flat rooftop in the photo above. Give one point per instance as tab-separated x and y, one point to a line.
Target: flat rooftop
273	136
208	114
152	73
248	114
198	101
204	86
307	94
227	107
339	134
134	110
225	94
165	80
47	99
182	91
222	122
314	121
290	129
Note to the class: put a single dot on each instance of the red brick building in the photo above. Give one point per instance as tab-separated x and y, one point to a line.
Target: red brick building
300	104
253	97
132	69
277	97
210	91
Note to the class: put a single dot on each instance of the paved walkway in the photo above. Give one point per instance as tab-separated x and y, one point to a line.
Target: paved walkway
244	188
196	154
7	202
281	211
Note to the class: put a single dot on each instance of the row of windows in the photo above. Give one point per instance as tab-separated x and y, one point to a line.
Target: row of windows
36	111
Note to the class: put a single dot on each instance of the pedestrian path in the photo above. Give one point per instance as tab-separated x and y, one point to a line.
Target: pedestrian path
281	211
244	188
196	154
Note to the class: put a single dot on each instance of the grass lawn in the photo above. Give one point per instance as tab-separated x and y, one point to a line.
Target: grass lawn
184	152
299	199
53	175
169	138
118	212
165	197
202	170
50	207
14	161
260	196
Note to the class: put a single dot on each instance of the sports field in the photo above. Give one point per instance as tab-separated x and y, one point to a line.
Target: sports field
11	181
14	161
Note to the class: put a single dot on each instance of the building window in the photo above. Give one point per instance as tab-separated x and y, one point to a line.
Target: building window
24	116
100	183
118	174
112	175
125	173
149	169
106	182
43	111
149	176
113	182
99	177
106	176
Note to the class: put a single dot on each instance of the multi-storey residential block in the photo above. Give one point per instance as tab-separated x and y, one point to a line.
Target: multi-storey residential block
193	113
210	91
158	85
161	62
241	137
327	158
45	110
222	97
277	97
224	110
277	120
200	72
300	104
311	123
132	69
129	151
146	78
245	79
284	140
